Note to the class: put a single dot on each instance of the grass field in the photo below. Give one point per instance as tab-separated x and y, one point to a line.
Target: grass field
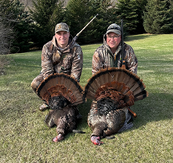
24	137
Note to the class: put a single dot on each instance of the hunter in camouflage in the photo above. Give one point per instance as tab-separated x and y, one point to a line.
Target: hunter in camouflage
60	55
109	54
105	56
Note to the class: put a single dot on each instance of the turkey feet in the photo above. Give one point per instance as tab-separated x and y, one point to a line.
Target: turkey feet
96	140
58	138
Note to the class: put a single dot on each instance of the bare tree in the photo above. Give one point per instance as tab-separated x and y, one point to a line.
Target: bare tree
5	38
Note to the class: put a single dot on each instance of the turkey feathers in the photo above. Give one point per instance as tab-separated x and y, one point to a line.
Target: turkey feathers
112	82
57	87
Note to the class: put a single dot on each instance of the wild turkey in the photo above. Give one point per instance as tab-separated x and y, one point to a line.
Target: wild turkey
62	93
113	91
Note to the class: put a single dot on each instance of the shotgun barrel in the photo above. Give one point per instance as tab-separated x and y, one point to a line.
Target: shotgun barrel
77	35
122	46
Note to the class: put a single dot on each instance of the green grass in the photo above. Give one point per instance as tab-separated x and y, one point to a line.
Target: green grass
25	138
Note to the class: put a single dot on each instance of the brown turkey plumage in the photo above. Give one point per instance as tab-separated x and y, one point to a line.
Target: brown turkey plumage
62	93
65	119
113	91
104	122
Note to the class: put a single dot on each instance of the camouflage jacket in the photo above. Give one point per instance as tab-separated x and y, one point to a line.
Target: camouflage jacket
103	58
57	60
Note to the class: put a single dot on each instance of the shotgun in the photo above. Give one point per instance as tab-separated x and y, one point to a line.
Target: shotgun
122	46
77	35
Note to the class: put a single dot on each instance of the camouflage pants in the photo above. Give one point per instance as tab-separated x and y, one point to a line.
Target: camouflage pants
36	82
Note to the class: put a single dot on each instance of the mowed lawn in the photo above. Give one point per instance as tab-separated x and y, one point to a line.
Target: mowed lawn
25	138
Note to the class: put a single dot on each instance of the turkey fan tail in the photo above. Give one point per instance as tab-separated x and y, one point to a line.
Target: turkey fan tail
96	81
106	76
111	80
60	85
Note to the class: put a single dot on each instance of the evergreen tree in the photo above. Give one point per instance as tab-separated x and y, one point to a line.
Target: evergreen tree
45	14
131	11
77	15
158	17
5	38
140	11
80	12
15	17
107	16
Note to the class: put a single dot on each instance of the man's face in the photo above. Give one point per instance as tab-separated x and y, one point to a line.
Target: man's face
113	40
62	38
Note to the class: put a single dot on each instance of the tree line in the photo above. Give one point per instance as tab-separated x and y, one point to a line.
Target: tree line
22	30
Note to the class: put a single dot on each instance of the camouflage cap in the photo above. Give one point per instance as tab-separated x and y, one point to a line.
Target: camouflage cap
114	28
61	27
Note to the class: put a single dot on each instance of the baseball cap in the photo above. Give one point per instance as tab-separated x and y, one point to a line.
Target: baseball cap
114	28
61	27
